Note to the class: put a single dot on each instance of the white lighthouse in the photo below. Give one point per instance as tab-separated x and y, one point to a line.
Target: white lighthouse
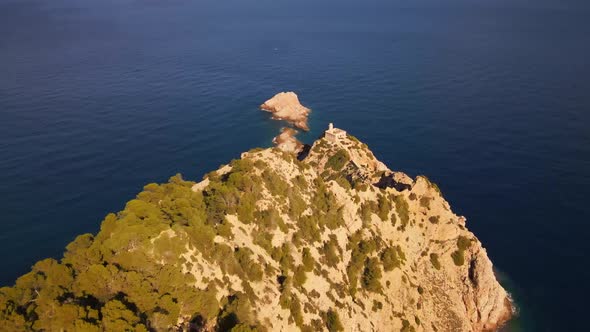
334	134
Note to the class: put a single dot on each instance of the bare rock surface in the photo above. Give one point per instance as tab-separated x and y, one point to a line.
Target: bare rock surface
287	142
286	106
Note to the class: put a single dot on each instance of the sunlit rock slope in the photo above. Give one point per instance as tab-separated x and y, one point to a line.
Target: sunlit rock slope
335	241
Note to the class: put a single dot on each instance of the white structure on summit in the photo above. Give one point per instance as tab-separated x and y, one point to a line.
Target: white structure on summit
334	134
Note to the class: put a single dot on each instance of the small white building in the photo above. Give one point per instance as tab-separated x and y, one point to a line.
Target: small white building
334	134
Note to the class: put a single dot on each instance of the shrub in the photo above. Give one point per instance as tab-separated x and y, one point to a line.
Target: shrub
360	186
275	183
406	327
308	261
425	202
331	252
434	261
252	269
296	205
371	279
296	314
366	213
458	257
333	323
299	277
392	257
338	160
343	182
402	209
263	238
377	305
463	242
300	182
308	229
246	207
384	207
282	255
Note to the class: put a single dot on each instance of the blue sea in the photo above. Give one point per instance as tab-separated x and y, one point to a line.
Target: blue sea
489	98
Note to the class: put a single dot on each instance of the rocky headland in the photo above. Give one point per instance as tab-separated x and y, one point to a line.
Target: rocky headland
333	242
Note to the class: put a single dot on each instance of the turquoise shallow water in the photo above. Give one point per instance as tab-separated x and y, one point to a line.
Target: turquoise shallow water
488	98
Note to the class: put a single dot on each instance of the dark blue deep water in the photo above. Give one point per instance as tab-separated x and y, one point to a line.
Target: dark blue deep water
489	98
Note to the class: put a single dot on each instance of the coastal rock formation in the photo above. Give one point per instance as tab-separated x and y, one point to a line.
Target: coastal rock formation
286	106
287	142
271	243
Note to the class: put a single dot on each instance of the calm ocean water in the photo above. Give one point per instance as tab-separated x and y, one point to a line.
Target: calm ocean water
489	98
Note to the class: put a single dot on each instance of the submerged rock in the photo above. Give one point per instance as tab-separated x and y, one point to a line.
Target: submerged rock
287	142
286	106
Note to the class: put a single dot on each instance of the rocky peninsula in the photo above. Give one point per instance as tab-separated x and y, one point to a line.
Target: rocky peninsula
335	241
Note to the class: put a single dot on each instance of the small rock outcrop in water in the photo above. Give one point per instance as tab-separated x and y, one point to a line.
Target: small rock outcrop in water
287	142
271	243
286	106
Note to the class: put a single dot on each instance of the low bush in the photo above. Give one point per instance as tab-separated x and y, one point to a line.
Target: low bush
332	320
392	257
434	260
338	160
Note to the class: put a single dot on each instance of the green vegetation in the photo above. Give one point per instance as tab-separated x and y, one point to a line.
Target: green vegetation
252	269
282	255
331	251
128	276
360	251
377	305
338	160
296	312
434	260
425	202
308	261
114	281
371	279
384	207
343	182
309	229
403	210
360	186
366	213
463	243
332	320
299	276
406	327
392	257
326	210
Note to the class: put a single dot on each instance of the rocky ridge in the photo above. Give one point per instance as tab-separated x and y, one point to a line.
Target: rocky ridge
336	241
